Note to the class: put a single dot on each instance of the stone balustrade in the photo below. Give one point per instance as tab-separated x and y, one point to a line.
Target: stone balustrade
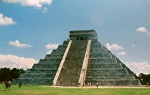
61	63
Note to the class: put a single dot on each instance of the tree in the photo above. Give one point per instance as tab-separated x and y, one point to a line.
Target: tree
22	71
15	73
7	74
145	79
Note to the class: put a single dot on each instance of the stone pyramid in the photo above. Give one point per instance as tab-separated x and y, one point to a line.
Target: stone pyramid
80	60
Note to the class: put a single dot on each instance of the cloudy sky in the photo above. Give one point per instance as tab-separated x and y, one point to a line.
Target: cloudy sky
31	28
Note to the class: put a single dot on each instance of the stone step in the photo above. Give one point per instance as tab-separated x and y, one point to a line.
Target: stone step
70	73
125	76
106	69
35	78
113	82
102	60
45	65
35	81
99	55
102	65
46	69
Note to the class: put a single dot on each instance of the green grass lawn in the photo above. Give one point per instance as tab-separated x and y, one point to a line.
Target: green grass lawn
41	90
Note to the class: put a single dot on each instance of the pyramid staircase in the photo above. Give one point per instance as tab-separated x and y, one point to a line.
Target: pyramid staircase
69	75
81	60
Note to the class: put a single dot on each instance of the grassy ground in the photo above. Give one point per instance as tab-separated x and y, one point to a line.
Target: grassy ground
45	90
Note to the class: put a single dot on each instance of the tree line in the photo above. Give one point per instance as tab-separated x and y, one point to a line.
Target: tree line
144	79
7	74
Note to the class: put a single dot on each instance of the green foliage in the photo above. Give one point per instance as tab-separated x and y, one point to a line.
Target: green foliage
7	74
22	71
144	78
15	73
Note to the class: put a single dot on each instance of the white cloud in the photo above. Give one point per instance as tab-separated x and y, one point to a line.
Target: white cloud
139	67
50	47
18	44
44	10
122	53
4	20
13	61
133	45
113	47
142	29
34	3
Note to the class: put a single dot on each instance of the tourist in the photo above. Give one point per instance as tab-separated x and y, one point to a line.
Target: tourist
61	83
78	84
83	84
90	83
97	85
7	85
20	84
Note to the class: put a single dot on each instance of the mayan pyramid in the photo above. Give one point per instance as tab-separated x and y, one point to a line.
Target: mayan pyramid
80	60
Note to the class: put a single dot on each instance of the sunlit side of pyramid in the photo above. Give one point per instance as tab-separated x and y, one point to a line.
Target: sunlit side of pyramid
80	60
44	71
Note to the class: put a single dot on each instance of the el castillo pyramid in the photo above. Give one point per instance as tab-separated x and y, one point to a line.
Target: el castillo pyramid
80	60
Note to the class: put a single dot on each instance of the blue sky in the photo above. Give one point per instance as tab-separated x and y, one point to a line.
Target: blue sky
31	28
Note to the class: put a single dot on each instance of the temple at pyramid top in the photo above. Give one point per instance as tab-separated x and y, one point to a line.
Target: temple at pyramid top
83	35
80	61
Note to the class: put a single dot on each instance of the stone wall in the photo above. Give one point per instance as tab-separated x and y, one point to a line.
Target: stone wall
104	68
43	73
